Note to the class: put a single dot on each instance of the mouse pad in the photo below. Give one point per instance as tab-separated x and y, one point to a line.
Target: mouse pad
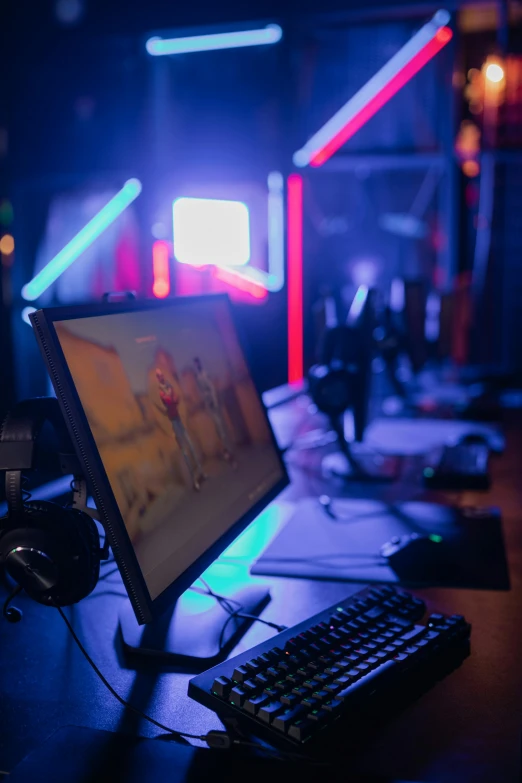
345	546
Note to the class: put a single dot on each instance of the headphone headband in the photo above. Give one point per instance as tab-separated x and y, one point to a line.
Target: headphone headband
19	434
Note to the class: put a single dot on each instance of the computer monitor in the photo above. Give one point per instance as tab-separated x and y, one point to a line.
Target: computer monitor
172	434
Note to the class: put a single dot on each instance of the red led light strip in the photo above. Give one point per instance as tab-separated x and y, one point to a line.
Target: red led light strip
160	269
295	277
440	39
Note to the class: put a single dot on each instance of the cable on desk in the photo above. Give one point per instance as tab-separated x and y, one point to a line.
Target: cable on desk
180	735
213	738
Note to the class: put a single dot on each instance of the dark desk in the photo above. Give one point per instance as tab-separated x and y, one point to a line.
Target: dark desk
466	729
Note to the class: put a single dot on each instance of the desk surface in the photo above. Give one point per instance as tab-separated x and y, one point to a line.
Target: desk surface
468	728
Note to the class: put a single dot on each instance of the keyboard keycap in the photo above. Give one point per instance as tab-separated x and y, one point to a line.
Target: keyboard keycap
301	729
321	695
369	681
284	720
268	711
333	705
240	674
253	667
416	631
222	687
290	699
333	687
375	612
249	686
237	696
319	715
253	704
261	679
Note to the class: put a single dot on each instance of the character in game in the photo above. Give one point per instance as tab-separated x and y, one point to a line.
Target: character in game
171	410
211	401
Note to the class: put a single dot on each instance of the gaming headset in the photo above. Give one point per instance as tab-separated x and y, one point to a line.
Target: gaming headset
52	552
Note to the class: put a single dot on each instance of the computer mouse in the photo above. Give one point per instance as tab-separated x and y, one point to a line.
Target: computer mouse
418	558
474	437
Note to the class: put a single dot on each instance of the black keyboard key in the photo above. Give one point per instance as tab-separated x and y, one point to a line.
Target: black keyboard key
280	686
321	678
333	688
262	680
401	622
375	612
284	720
369	681
237	696
253	667
290	699
333	671
294	660
275	654
400	657
309	685
293	644
222	686
436	619
269	711
301	729
272	692
362	667
432	636
343	680
416	631
250	686
381	655
310	703
283	666
301	692
333	706
241	673
264	660
253	704
321	696
296	679
318	715
273	673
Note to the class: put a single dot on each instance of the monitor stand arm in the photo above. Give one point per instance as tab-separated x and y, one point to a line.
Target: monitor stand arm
189	634
361	467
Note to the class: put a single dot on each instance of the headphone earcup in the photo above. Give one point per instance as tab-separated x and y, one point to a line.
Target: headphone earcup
52	552
330	388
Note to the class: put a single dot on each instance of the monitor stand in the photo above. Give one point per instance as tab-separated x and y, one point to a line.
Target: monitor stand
345	465
188	635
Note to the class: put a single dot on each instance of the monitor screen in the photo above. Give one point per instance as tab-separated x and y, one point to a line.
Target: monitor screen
178	424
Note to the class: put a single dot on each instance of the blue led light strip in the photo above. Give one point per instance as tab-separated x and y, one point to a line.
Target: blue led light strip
83	239
270	34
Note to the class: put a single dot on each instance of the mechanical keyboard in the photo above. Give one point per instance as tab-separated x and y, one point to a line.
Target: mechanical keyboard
464	466
290	688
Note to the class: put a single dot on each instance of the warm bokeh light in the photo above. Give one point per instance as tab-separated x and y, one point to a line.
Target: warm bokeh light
160	289
7	245
471	168
494	72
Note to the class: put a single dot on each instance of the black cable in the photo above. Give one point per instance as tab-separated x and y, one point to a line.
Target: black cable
181	735
214	739
108	573
226	603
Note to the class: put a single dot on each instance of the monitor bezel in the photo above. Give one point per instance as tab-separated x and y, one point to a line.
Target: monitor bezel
145	607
